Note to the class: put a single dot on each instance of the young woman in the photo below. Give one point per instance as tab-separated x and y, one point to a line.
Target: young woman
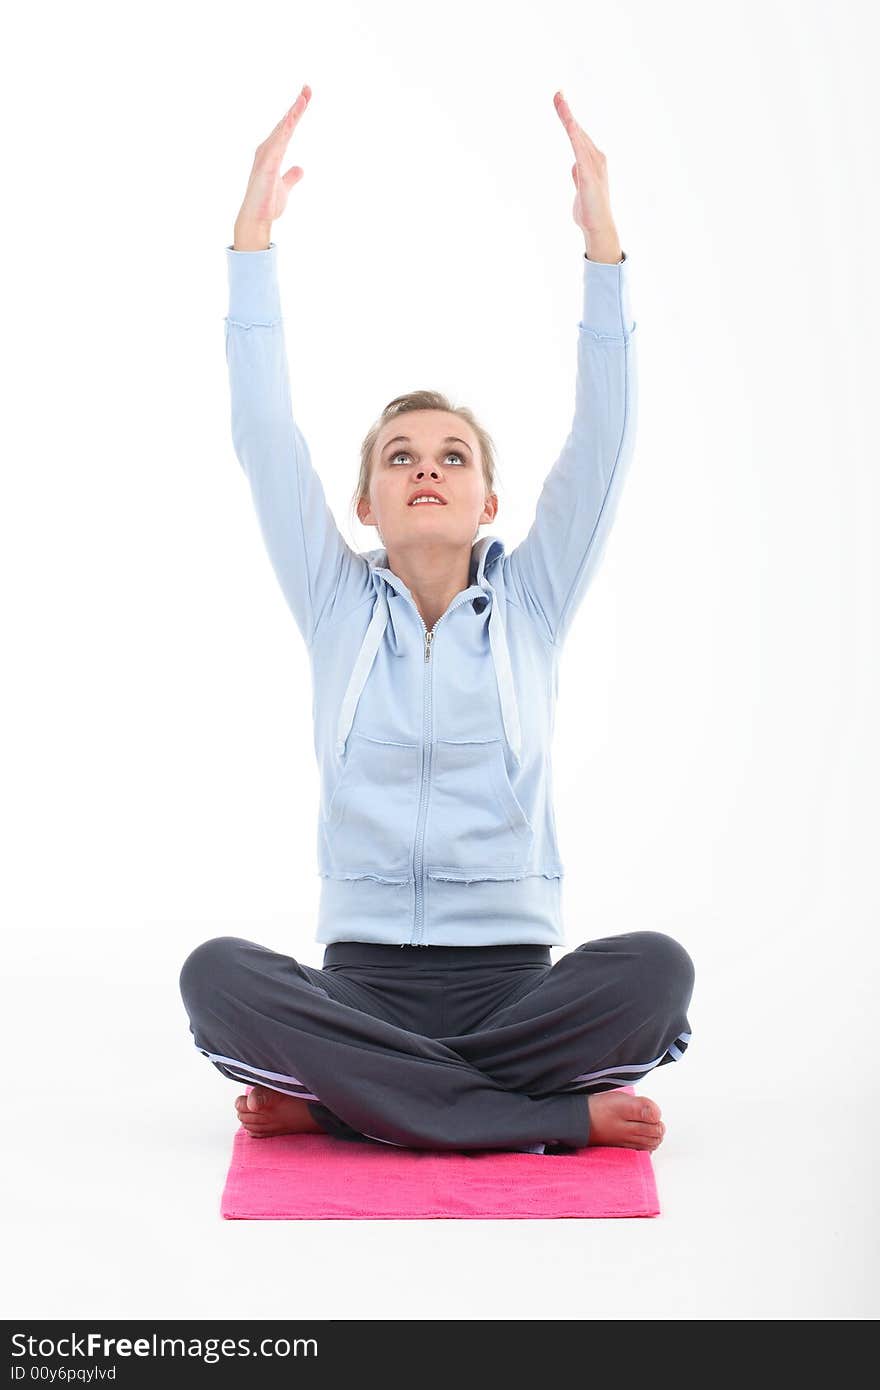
438	1019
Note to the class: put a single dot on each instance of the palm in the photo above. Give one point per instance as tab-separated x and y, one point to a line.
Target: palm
592	203
268	189
589	212
271	191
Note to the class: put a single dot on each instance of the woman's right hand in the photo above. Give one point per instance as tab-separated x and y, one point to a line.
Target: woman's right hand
267	190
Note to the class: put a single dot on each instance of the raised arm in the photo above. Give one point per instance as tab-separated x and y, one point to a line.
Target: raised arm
311	558
551	569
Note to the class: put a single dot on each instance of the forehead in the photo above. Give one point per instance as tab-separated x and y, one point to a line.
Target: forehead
426	425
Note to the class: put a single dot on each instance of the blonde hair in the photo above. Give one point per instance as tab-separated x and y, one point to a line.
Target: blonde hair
424	400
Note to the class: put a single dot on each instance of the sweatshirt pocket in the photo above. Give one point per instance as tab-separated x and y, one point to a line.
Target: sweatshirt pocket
368	829
476	827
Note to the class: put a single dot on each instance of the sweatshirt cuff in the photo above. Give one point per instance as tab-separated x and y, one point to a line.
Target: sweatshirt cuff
606	306
254	296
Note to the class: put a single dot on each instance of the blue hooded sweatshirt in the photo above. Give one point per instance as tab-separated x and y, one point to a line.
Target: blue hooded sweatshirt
436	823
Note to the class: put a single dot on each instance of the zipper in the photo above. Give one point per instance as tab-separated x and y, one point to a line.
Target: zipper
427	758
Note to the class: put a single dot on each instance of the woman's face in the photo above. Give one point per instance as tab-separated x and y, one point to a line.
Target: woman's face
427	451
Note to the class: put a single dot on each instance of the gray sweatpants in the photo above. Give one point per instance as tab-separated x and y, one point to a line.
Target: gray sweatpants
443	1047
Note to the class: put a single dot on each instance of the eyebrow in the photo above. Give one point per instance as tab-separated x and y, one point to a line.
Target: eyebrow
405	439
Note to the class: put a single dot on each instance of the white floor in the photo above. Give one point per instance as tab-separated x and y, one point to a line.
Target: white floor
119	1138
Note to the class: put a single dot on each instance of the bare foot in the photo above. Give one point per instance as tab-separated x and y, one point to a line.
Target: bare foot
621	1121
264	1112
617	1119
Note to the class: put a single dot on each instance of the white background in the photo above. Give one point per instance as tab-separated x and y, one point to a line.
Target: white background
716	741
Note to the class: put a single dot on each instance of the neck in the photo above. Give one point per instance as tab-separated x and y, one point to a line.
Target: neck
434	575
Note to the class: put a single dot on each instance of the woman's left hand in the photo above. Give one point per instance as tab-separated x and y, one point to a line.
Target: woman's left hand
592	203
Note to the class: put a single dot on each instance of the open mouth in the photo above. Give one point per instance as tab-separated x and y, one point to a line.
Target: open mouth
427	500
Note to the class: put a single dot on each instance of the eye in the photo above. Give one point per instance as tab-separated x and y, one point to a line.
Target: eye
402	453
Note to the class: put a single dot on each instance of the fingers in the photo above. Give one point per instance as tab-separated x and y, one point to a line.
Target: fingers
289	121
565	114
579	138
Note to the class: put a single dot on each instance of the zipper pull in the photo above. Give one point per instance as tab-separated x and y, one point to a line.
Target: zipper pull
429	637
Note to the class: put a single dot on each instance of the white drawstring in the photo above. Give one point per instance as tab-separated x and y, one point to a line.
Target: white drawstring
497	642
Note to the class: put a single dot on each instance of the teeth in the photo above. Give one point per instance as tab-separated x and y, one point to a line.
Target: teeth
435	500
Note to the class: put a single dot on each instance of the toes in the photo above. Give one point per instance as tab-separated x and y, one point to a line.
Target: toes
642	1132
256	1122
263	1131
248	1118
639	1108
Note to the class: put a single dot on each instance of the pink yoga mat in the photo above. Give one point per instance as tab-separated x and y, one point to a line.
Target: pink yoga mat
317	1177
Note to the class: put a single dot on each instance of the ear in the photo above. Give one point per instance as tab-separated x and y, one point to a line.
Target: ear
490	509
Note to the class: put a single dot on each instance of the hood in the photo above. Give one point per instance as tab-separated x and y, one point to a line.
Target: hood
484	554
